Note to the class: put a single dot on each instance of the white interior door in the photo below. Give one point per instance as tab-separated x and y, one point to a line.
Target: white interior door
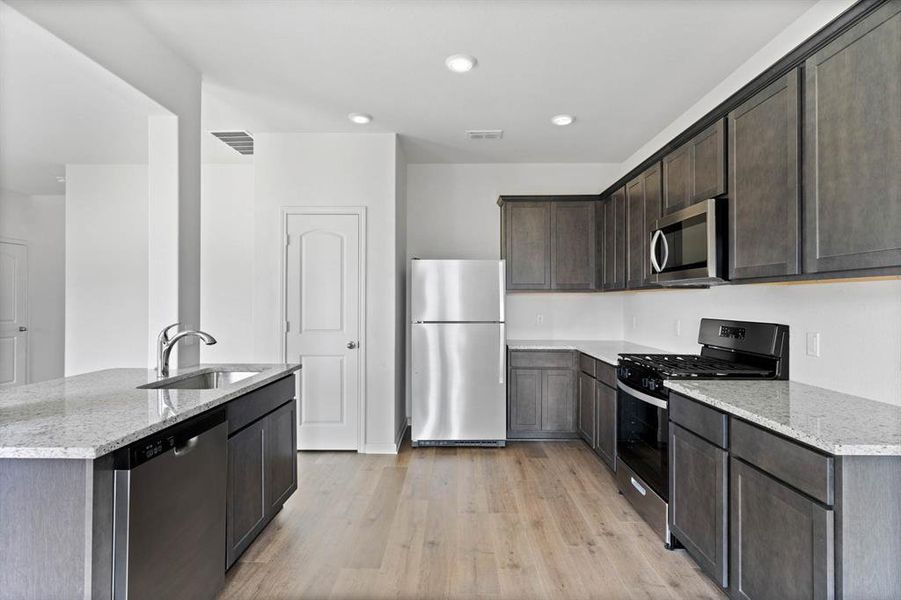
13	314
323	326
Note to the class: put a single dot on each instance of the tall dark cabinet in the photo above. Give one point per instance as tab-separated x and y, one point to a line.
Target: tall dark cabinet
643	201
852	145
526	244
573	245
615	241
764	194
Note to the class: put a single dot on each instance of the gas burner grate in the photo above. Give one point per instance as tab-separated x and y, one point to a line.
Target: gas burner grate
694	365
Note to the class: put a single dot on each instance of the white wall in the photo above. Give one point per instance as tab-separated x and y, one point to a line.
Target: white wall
574	316
130	51
859	325
106	267
226	265
40	222
401	331
332	169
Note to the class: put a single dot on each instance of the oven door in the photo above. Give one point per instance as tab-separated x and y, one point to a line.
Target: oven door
687	247
642	437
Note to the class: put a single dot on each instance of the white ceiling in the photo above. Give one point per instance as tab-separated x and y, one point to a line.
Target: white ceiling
626	69
58	107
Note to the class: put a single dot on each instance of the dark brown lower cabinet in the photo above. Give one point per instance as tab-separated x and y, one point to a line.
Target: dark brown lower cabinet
586	408
542	399
782	543
698	500
262	473
605	430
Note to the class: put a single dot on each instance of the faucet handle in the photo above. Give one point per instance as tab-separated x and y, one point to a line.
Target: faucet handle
164	334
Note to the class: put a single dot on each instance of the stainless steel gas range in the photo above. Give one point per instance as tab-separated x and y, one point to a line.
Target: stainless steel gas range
729	349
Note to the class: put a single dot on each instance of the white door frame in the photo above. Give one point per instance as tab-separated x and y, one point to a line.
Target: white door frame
360	211
9	240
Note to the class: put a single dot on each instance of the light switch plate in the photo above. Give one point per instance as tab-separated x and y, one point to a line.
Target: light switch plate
539	319
813	344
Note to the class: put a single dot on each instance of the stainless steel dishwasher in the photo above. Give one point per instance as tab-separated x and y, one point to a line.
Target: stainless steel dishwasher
169	512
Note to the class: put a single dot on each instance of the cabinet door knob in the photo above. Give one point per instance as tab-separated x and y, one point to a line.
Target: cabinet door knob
23	328
351	345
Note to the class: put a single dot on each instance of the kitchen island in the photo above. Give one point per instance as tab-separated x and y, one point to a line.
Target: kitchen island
62	447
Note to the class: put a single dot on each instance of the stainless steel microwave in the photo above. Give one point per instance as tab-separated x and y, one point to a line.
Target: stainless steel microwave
688	246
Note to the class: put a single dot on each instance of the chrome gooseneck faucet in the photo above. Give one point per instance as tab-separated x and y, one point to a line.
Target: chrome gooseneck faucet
165	344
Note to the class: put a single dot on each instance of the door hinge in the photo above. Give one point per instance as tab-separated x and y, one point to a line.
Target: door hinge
287	326
287	240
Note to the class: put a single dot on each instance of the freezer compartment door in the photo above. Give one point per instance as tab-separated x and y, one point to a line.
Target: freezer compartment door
457	290
459	373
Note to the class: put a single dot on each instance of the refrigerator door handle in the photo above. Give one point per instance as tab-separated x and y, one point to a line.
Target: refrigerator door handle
502	354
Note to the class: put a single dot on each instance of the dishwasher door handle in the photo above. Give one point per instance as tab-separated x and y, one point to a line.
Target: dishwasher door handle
185	448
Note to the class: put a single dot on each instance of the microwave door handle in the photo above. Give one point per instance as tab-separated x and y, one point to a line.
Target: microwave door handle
654	239
665	249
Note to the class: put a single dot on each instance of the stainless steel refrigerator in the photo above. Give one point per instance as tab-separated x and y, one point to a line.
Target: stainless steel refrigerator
458	352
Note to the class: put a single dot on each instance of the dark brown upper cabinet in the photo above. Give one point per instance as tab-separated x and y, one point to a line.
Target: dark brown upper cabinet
643	198
549	242
764	195
852	147
615	241
696	170
573	245
526	244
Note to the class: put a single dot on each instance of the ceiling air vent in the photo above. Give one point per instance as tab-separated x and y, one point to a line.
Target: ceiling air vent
484	134
239	141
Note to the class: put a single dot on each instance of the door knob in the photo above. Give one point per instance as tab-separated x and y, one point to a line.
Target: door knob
23	328
351	345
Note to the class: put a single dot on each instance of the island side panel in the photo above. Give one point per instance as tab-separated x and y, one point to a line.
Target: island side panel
44	528
868	527
101	545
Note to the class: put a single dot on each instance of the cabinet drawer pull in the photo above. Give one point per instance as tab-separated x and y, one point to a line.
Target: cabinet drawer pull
638	486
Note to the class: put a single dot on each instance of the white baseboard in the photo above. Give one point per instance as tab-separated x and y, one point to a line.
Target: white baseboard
388	448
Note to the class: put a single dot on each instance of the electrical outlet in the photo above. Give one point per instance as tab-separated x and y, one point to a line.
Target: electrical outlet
677	327
539	319
813	344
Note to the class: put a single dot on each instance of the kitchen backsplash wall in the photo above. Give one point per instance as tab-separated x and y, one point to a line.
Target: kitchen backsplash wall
859	327
564	316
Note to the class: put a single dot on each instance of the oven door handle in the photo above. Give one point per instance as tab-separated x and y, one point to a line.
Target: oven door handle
642	396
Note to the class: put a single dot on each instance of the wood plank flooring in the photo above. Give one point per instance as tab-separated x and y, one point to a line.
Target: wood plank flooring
533	520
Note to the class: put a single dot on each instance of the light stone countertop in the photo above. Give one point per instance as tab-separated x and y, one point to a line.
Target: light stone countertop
831	421
89	415
604	350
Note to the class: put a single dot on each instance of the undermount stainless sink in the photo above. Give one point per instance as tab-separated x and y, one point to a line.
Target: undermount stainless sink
207	380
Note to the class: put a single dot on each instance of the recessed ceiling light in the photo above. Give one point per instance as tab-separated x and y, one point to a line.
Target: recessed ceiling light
360	118
461	63
562	120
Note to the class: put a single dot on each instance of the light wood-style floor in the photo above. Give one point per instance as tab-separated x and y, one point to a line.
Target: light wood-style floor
533	520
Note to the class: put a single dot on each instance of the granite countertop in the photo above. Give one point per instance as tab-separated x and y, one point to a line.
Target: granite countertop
831	421
89	415
604	350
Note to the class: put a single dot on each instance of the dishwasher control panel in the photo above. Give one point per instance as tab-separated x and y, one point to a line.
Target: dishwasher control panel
158	443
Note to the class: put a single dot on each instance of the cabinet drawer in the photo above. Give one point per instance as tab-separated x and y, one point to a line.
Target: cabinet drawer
805	470
606	374
587	365
246	409
701	420
531	359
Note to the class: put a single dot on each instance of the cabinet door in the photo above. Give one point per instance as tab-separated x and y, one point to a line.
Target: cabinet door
643	210
605	431
525	400
763	183
600	246
696	170
573	245
852	147
615	241
281	456
558	406
586	408
781	542
527	235
697	500
709	163
246	501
